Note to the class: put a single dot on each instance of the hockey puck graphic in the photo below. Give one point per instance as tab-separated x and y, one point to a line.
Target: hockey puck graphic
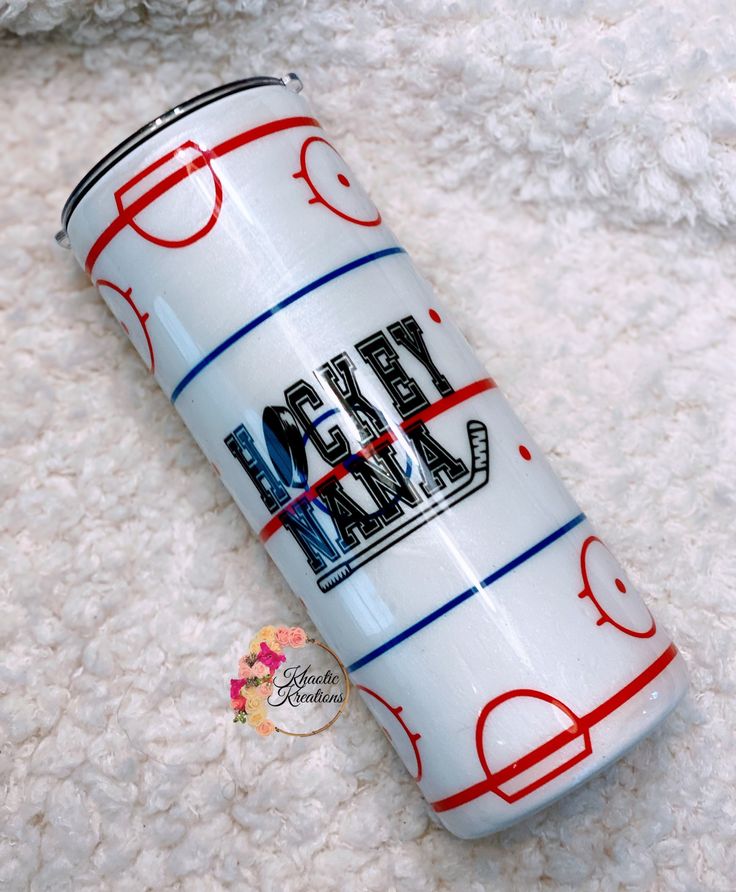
285	445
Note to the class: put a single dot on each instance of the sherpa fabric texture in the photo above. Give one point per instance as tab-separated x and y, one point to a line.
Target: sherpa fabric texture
564	172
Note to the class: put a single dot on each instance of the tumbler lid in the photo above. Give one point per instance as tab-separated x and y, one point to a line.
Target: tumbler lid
290	81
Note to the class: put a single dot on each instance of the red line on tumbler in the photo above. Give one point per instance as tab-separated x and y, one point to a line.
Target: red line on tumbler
498	778
203	230
125	218
396	713
141	317
587	592
579	726
425	415
318	197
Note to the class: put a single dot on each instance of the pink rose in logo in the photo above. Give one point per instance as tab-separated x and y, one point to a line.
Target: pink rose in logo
265	728
270	658
297	637
282	636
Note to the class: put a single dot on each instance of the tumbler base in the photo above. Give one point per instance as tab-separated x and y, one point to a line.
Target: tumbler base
573	764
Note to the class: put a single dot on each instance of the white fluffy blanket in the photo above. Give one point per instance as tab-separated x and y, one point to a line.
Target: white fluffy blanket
565	173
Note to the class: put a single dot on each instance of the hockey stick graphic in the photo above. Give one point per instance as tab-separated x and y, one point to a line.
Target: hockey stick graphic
478	477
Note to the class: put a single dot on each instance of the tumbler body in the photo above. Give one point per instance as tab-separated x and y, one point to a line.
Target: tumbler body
491	633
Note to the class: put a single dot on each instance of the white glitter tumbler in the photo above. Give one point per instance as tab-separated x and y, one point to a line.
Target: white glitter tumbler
389	480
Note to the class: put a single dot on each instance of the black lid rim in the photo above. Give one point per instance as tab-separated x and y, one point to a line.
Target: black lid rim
108	161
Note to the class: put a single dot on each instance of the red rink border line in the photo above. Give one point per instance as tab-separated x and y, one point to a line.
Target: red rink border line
396	713
125	218
581	727
432	411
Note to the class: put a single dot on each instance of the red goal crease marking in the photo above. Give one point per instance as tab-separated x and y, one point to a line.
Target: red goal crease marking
432	411
574	732
583	725
140	204
160	162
